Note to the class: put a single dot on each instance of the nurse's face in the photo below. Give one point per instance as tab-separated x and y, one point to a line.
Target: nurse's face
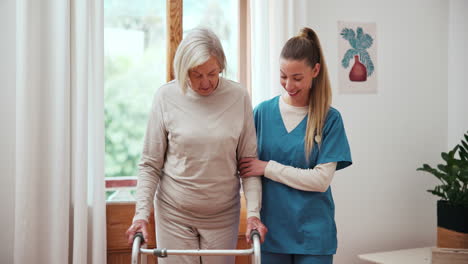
296	78
204	78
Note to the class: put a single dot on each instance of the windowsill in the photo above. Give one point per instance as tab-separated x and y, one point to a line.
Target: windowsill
121	189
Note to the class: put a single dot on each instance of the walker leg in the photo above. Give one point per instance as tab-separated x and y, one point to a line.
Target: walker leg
143	258
136	248
257	257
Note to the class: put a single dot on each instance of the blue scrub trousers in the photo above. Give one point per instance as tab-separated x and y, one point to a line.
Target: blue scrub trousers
275	258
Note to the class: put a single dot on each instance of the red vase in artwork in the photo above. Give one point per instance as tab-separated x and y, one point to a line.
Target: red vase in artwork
358	72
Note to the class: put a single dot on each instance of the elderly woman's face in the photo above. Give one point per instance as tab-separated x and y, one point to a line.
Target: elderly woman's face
204	78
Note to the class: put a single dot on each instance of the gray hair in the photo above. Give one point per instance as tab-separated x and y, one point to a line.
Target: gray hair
195	49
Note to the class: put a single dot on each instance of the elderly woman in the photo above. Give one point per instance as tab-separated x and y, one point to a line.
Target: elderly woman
200	126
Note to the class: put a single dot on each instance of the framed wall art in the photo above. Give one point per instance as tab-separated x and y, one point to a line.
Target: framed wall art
357	54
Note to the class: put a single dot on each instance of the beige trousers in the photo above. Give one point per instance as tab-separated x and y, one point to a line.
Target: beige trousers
172	233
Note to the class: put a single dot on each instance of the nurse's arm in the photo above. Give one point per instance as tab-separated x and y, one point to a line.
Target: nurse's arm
249	167
317	179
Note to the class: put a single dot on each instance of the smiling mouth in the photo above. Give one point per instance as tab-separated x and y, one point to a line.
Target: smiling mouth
293	94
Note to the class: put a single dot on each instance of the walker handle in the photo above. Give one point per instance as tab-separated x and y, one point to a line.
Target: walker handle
253	233
140	235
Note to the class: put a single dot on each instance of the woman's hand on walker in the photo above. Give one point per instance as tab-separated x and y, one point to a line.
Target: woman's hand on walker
137	226
253	223
249	167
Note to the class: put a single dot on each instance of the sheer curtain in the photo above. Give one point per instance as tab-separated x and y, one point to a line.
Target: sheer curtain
59	203
273	23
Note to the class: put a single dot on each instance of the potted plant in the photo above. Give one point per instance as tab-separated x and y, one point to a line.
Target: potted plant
452	208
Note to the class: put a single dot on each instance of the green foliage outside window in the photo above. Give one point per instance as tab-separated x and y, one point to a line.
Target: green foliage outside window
132	76
135	67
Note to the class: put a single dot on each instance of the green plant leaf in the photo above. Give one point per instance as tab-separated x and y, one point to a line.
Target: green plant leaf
359	33
364	41
439	175
437	193
453	151
464	145
347	57
425	167
442	168
463	148
464	175
350	36
367	61
463	153
445	156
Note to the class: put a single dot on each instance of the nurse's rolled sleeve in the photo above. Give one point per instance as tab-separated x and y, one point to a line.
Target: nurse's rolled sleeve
317	179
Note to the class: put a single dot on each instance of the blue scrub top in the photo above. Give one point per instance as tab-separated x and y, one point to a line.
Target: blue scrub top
299	222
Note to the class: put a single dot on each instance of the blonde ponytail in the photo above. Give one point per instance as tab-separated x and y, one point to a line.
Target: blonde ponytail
306	46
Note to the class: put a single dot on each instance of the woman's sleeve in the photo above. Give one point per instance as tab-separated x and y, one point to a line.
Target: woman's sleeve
317	179
152	160
247	147
334	146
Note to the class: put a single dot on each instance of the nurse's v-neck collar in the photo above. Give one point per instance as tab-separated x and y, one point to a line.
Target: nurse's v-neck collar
280	118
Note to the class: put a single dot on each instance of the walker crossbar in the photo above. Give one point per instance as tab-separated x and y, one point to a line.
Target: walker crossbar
162	252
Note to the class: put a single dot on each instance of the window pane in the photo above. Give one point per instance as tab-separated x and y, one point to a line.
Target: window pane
222	17
134	68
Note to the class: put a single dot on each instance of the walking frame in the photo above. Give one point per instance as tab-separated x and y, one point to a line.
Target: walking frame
138	250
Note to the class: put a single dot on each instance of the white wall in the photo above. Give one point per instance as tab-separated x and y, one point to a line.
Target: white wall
7	131
457	77
381	200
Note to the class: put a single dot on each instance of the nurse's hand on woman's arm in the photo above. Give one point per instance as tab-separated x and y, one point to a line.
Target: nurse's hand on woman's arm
254	223
249	167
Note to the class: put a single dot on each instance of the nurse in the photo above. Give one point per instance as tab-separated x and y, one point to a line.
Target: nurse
301	143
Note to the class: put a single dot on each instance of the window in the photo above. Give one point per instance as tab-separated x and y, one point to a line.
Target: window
222	17
135	66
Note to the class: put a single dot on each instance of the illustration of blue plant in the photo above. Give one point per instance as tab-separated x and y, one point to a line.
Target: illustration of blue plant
359	42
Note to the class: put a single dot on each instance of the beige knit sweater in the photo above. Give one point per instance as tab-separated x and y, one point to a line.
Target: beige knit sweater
190	155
